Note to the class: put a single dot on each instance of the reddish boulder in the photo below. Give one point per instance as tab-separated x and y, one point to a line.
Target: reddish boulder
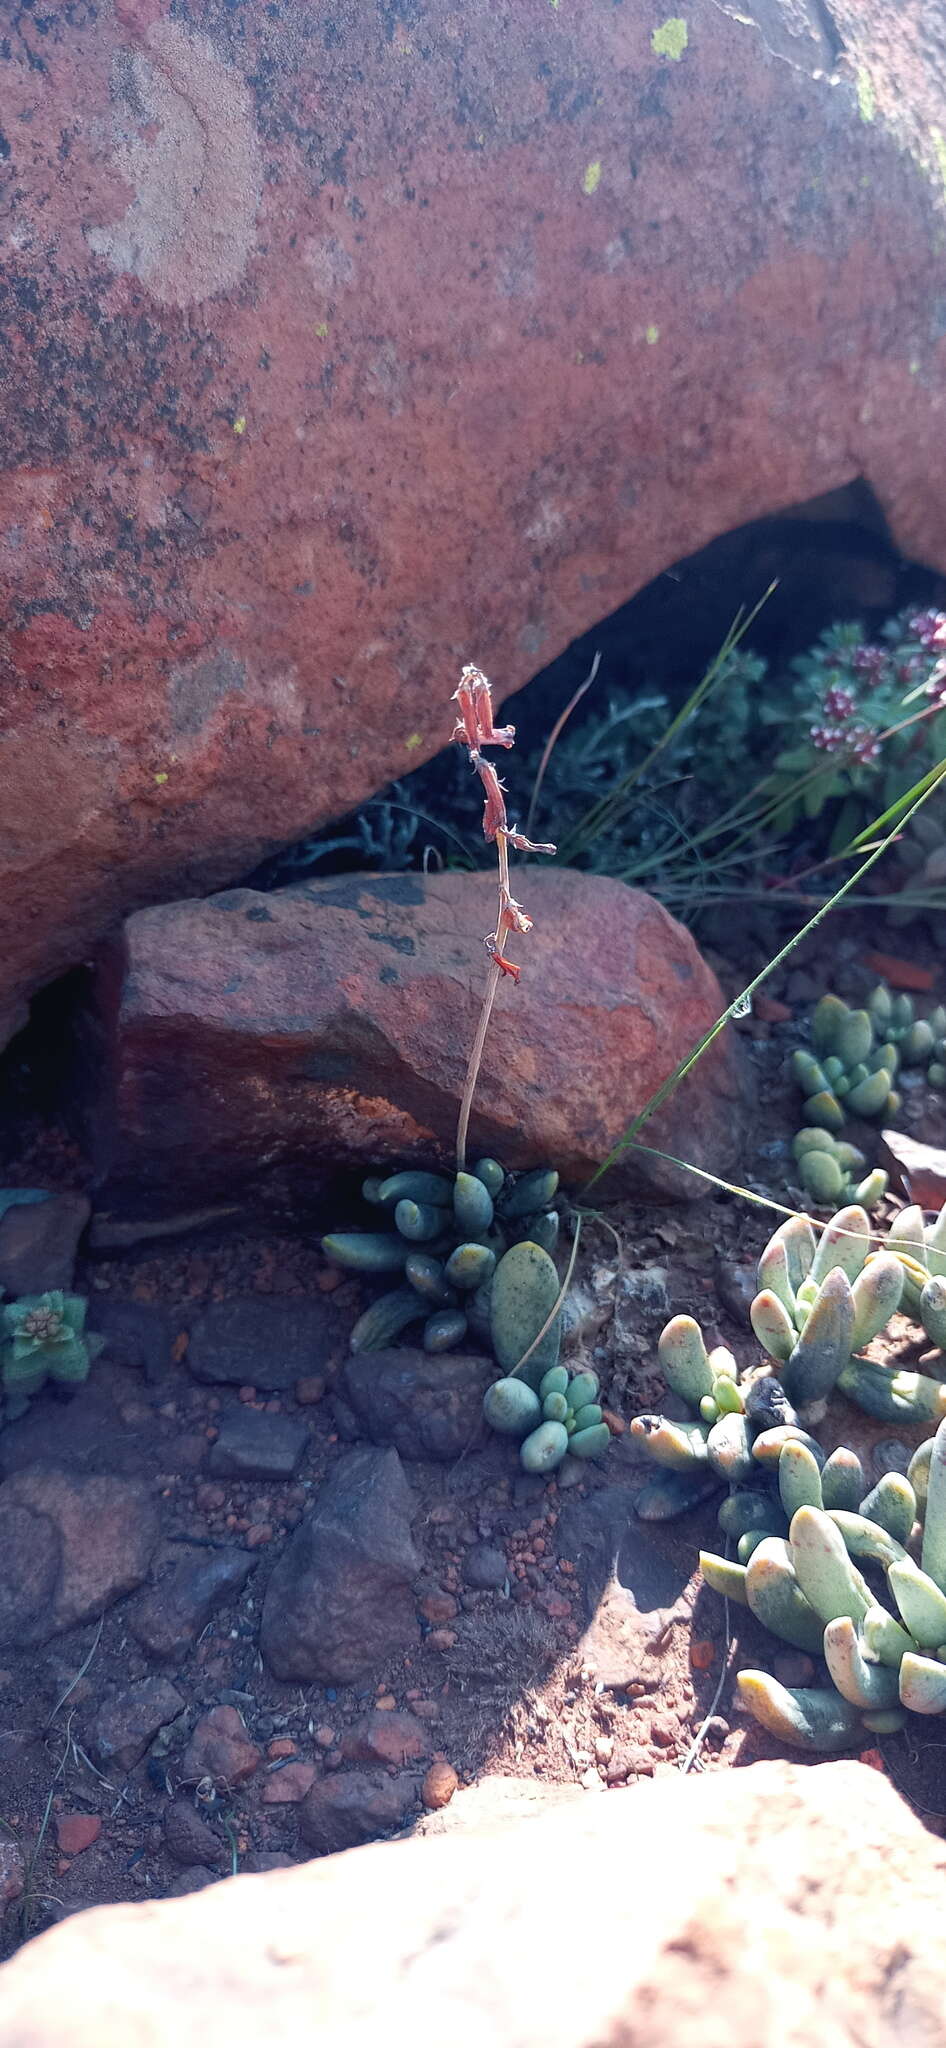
332	1021
354	345
70	1547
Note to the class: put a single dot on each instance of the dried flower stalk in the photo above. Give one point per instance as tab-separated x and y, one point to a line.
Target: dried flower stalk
475	730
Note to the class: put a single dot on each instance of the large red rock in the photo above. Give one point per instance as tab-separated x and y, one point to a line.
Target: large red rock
772	1907
248	1035
341	345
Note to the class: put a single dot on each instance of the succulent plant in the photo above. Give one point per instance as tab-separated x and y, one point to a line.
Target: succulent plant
820	1301
447	1238
44	1340
831	1170
571	1420
849	1072
811	1591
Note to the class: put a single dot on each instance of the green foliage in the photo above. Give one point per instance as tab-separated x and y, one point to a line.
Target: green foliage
44	1339
808	1590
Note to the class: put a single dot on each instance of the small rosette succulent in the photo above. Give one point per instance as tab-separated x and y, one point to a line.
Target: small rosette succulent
448	1238
44	1339
561	1416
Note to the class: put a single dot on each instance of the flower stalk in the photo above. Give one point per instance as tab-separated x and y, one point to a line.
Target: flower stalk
475	730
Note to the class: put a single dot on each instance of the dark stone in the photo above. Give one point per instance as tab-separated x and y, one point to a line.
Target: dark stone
426	1406
126	1725
189	1838
252	1445
137	1333
352	1807
168	1619
339	1601
39	1242
485	1567
262	1342
736	1287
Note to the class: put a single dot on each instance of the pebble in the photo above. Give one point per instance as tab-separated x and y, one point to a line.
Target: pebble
702	1655
77	1831
220	1748
438	1606
325	1736
439	1786
288	1786
484	1568
309	1390
441	1639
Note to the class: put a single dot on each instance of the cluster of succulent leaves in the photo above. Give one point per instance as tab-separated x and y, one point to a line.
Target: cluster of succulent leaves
560	1417
823	1551
475	1254
856	1057
799	1518
43	1338
446	1235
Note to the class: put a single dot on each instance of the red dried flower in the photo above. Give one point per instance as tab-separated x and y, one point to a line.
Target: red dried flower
494	809
475	723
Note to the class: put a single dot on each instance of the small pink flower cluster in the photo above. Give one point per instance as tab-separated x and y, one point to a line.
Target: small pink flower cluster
475	729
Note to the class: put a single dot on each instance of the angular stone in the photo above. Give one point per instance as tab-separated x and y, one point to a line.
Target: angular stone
69	1548
387	1739
77	1831
426	1405
331	1023
39	1242
443	422
125	1725
257	1446
485	1567
290	1785
137	1333
220	1748
339	1601
919	1170
351	1807
190	1839
262	1342
168	1619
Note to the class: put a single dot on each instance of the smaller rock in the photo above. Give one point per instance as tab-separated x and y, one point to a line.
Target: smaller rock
439	1786
39	1242
168	1619
252	1445
189	1838
220	1748
442	1639
125	1725
137	1333
736	1286
288	1786
919	1169
77	1831
387	1738
339	1603
438	1606
71	1546
309	1390
484	1567
426	1405
352	1807
266	1341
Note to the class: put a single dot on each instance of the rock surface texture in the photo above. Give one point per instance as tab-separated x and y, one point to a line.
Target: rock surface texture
352	348
340	1600
332	1022
778	1905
